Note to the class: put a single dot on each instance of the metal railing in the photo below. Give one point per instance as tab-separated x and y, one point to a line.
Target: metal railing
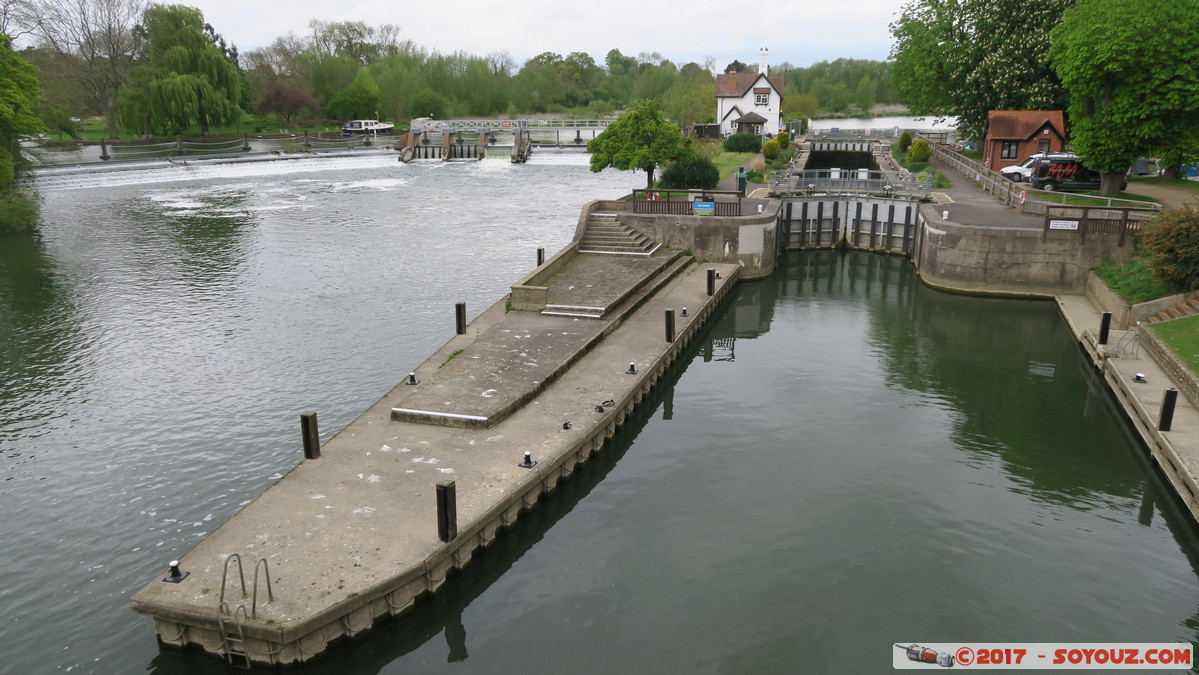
507	125
825	182
682	202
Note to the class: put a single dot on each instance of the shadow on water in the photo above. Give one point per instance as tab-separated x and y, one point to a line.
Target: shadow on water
441	613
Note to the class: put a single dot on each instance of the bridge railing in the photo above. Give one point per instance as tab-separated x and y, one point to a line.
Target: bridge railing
508	125
815	182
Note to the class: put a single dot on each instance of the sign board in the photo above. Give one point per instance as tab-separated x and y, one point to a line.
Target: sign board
1063	224
703	208
506	124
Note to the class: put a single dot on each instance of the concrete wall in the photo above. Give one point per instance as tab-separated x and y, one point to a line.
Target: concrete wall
531	293
750	240
1176	370
1008	259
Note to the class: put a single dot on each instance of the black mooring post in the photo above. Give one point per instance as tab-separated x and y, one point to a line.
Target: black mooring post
540	257
1167	417
1105	327
460	317
312	438
670	325
711	281
447	510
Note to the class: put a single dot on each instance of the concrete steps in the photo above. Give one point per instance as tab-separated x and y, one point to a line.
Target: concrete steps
605	234
1188	307
652	279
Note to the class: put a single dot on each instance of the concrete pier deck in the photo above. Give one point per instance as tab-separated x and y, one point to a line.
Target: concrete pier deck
351	537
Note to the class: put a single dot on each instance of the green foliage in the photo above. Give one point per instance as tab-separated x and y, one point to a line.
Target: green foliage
453	354
743	142
641	138
920	151
1171	242
755	177
797	105
905	141
851	81
784	139
691	171
358	101
428	104
1131	279
1131	70
771	149
968	57
18	96
18	211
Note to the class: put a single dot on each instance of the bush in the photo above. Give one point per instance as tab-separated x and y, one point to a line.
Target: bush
784	139
771	149
743	142
690	171
919	151
18	212
905	141
1171	241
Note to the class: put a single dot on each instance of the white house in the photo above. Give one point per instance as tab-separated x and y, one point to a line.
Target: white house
750	101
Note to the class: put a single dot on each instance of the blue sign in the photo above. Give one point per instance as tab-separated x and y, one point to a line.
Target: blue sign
703	208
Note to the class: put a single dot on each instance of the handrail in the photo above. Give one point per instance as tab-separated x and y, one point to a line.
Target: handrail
225	575
270	595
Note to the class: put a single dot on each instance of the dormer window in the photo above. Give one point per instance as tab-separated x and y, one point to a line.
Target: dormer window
762	96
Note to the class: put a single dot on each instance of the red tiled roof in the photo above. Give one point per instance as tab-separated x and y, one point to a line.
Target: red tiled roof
736	84
1022	124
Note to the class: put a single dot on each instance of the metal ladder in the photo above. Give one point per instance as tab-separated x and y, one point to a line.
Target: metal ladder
1128	346
233	639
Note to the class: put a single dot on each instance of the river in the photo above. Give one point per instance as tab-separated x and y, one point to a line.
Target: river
847	461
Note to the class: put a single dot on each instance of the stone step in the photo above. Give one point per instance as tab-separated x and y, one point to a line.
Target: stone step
575	311
621	250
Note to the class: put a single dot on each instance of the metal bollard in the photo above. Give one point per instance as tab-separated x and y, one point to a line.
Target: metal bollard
670	325
1167	416
711	281
312	438
1105	327
460	317
447	510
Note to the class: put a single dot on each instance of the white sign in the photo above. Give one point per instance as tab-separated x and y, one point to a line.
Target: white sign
1063	224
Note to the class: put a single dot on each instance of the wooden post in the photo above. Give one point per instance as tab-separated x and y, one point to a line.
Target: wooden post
312	438
460	317
447	510
670	325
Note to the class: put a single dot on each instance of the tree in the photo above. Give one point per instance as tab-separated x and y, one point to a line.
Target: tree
428	103
358	101
18	95
1131	70
968	57
99	38
189	76
800	104
690	171
285	102
641	138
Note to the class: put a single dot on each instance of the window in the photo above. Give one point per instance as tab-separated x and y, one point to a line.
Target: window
761	99
1043	145
1009	150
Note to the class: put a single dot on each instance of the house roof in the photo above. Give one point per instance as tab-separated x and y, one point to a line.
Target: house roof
735	110
1023	124
737	84
751	118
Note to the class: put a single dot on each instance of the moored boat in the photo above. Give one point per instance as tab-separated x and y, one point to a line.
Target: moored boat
358	127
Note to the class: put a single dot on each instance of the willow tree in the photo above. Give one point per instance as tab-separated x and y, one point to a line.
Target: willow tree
1131	69
189	78
641	138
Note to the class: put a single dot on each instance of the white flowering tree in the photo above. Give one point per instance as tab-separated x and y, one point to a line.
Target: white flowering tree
968	57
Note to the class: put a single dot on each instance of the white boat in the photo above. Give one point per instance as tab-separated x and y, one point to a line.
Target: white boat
359	127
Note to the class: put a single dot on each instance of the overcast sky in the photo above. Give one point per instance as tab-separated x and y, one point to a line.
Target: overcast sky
801	33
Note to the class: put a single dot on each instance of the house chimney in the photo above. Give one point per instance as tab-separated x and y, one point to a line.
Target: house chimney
763	58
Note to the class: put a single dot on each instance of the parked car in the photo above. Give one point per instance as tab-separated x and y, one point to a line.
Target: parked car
1064	173
1023	171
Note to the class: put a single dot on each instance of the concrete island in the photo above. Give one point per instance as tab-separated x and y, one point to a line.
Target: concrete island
380	514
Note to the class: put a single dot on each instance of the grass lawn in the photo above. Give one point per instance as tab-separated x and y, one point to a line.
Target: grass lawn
727	162
1176	183
1182	336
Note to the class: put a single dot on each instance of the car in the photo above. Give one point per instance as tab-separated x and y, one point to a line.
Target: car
1022	171
1066	173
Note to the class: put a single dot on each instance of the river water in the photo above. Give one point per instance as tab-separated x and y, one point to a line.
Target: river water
848	460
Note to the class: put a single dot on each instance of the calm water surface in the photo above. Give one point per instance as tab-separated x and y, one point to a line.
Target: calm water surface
847	461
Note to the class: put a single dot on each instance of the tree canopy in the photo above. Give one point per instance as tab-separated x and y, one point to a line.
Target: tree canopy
968	57
641	138
18	95
1131	70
